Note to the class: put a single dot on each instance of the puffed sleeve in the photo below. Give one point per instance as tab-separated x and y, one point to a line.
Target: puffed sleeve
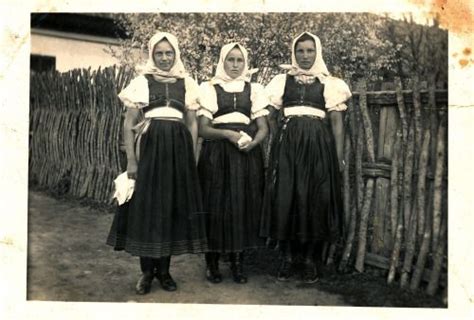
192	94
259	101
135	95
275	90
336	93
207	100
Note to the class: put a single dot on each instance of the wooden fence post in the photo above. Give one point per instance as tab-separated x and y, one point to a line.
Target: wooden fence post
388	124
367	204
424	216
438	184
351	227
408	164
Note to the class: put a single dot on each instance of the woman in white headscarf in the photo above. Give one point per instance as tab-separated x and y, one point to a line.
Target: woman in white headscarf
164	215
302	205
231	161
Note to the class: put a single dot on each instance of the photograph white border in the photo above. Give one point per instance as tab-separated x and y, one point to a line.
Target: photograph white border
14	105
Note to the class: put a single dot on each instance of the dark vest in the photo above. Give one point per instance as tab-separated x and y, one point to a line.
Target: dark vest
228	102
297	94
166	94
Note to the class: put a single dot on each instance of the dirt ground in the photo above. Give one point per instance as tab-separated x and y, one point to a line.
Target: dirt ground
68	260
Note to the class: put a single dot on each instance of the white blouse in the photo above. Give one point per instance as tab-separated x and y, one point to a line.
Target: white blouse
208	101
336	92
136	94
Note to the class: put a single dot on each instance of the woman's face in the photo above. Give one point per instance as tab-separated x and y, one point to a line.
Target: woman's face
163	55
234	63
305	54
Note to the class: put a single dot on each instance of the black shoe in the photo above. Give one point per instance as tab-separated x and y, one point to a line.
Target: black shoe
167	283
213	274
144	284
285	270
163	274
310	273
236	266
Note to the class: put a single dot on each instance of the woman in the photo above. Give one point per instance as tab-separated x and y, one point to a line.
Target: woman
164	216
231	163
302	205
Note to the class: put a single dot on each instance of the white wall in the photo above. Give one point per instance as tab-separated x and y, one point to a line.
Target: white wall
72	53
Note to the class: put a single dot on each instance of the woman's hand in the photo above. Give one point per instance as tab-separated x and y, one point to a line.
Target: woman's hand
233	137
262	132
132	169
248	146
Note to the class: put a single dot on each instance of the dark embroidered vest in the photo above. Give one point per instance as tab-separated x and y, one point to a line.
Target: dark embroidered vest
229	102
166	94
297	94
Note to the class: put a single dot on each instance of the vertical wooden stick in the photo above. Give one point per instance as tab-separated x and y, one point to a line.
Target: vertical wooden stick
350	239
420	263
346	182
363	225
433	121
358	167
352	110
401	108
438	184
394	185
409	250
369	135
424	250
407	179
438	260
417	114
396	250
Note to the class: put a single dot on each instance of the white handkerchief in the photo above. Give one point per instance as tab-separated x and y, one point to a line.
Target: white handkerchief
123	188
244	138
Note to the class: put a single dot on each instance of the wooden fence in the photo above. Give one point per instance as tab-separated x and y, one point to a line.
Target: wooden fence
395	181
75	130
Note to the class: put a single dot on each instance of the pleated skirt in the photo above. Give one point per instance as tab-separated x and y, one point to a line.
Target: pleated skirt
232	182
302	198
164	216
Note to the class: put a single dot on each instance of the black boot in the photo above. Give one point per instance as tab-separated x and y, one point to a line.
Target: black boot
237	268
287	252
285	268
164	276
212	267
144	283
310	272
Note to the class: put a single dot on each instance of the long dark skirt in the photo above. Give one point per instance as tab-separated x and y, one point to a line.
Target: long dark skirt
164	216
232	184
303	192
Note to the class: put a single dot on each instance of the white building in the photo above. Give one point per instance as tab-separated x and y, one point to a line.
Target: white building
64	41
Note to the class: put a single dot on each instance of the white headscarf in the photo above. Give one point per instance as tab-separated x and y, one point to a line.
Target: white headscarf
221	76
317	70
177	71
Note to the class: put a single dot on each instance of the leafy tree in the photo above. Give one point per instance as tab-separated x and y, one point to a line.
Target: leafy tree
420	49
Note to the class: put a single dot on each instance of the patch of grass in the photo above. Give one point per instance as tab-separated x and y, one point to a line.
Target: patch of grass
362	289
357	289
